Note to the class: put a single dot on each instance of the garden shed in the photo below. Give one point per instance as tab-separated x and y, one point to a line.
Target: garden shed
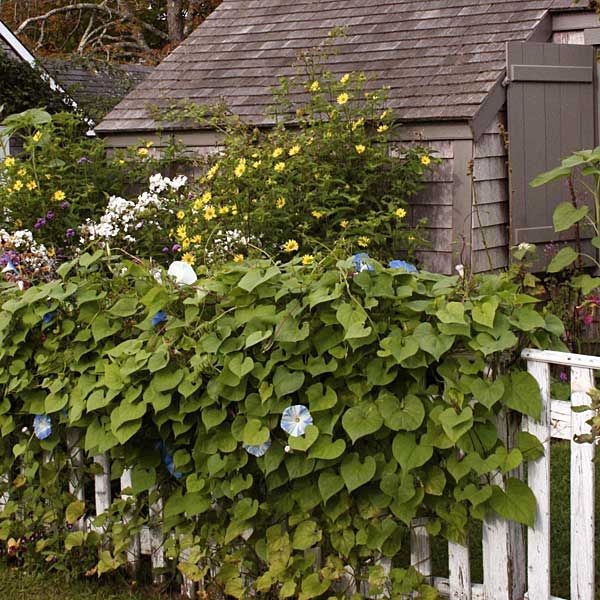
500	89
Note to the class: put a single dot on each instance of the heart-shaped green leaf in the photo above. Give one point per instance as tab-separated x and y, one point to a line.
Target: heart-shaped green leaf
356	473
329	484
326	449
362	420
408	453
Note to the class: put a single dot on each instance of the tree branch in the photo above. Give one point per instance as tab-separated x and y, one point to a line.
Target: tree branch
61	9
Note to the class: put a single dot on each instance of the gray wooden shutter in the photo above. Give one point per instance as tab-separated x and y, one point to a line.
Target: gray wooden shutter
550	107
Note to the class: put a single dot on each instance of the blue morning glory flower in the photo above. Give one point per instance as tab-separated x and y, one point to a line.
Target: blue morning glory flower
9	267
167	458
49	317
42	426
360	262
159	317
295	419
402	264
258	450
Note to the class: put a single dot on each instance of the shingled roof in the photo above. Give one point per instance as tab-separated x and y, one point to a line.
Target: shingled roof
439	57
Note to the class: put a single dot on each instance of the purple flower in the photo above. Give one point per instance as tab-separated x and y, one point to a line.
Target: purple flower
83	160
176	248
166	250
64	205
563	376
402	264
49	215
39	223
70	233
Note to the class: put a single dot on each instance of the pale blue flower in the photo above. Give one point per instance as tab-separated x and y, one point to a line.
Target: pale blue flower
10	267
260	450
42	426
159	317
168	460
360	262
295	419
49	317
402	264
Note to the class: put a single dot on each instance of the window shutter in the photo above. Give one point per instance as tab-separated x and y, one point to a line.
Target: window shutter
550	105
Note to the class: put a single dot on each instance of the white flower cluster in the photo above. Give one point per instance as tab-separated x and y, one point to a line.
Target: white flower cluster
226	243
122	218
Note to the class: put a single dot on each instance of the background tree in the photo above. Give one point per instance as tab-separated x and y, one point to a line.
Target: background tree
116	29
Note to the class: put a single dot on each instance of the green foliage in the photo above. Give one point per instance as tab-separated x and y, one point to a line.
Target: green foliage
327	171
403	385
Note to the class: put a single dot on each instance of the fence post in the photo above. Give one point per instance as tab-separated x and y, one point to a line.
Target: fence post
503	546
135	550
459	564
582	491
538	479
420	548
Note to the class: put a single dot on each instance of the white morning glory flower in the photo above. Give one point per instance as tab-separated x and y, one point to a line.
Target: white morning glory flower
295	419
182	273
258	451
42	426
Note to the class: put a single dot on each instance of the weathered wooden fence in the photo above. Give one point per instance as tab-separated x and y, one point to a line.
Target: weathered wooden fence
512	570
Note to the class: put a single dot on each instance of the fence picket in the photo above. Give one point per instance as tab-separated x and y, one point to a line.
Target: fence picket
582	492
459	564
420	548
157	556
135	549
102	493
538	476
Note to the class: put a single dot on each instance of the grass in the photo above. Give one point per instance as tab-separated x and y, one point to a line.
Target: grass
19	584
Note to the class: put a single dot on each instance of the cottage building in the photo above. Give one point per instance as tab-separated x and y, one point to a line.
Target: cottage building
501	89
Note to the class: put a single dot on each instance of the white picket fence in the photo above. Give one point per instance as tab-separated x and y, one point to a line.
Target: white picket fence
512	570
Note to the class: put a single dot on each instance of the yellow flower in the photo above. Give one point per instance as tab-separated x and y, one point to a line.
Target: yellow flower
317	214
180	214
277	152
344	224
343	98
9	161
382	128
358	123
294	150
309	141
360	148
31	185
22	172
188	258
212	171
121	162
37	136
223	210
308	259
345	79
197	239
256	164
238	258
315	86
363	241
384	114
210	213
400	212
18	185
411	238
182	232
51	252
185	243
280	167
234	210
280	202
149	144
206	197
425	160
290	246
48	176
143	152
241	168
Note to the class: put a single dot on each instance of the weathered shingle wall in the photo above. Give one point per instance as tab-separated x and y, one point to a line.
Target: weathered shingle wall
440	58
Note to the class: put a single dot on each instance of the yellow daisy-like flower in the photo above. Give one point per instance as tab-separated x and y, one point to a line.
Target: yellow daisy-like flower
358	123
315	86
120	162
290	246
197	239
279	167
9	161
185	243
212	171
238	258
384	114
425	160
343	98
294	150
234	210
277	152
400	213
210	213
308	259
345	79
180	214
317	214
188	258
51	252
149	144
360	148
206	197
223	210
182	232
31	185
143	152
382	128
344	224
17	185
22	172
363	241
37	136
256	164
241	168
280	202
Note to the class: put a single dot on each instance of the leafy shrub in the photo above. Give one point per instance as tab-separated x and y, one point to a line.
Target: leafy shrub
389	382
